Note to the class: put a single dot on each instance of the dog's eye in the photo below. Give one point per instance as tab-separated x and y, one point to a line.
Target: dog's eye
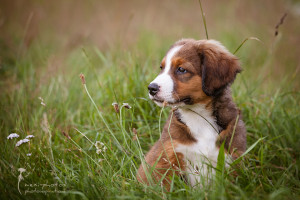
160	67
181	70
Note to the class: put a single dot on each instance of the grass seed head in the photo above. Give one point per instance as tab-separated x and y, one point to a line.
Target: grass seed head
66	135
82	79
42	101
126	105
116	107
280	23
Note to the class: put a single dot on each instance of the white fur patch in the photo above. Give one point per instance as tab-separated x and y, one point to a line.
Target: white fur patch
204	153
164	80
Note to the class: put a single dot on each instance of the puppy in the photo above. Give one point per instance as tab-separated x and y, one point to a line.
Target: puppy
195	80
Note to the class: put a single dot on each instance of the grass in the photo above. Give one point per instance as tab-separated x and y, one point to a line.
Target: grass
64	162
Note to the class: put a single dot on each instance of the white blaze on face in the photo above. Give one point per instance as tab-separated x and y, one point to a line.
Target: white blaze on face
164	80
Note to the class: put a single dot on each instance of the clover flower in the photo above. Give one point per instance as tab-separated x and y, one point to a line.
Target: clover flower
100	147
12	135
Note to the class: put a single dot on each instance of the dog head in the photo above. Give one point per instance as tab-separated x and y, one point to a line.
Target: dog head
192	72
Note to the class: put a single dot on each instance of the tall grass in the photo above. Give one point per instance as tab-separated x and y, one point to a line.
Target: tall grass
68	126
65	160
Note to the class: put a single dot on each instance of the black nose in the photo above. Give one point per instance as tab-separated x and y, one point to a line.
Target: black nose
153	89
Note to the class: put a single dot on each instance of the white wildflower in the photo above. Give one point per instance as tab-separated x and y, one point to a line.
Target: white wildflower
99	144
12	135
21	170
104	148
100	160
98	151
100	147
29	136
21	142
29	154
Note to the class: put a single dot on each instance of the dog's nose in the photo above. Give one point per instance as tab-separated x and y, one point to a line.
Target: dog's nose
153	89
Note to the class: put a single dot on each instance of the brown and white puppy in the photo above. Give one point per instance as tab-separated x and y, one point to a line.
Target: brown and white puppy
195	80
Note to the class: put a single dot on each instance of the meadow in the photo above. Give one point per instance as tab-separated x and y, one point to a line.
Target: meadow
84	148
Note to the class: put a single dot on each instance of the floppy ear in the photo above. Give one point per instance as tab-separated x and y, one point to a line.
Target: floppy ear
219	67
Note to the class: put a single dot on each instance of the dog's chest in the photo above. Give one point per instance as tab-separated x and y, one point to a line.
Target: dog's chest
203	153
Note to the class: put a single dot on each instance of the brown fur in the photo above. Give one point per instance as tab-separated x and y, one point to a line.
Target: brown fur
210	71
168	162
229	118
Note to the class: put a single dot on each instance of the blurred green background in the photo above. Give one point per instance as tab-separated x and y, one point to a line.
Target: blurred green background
62	26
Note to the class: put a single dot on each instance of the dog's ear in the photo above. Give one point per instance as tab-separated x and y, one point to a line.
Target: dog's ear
219	66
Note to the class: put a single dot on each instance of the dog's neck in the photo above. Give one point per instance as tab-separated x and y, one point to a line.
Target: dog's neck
198	117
